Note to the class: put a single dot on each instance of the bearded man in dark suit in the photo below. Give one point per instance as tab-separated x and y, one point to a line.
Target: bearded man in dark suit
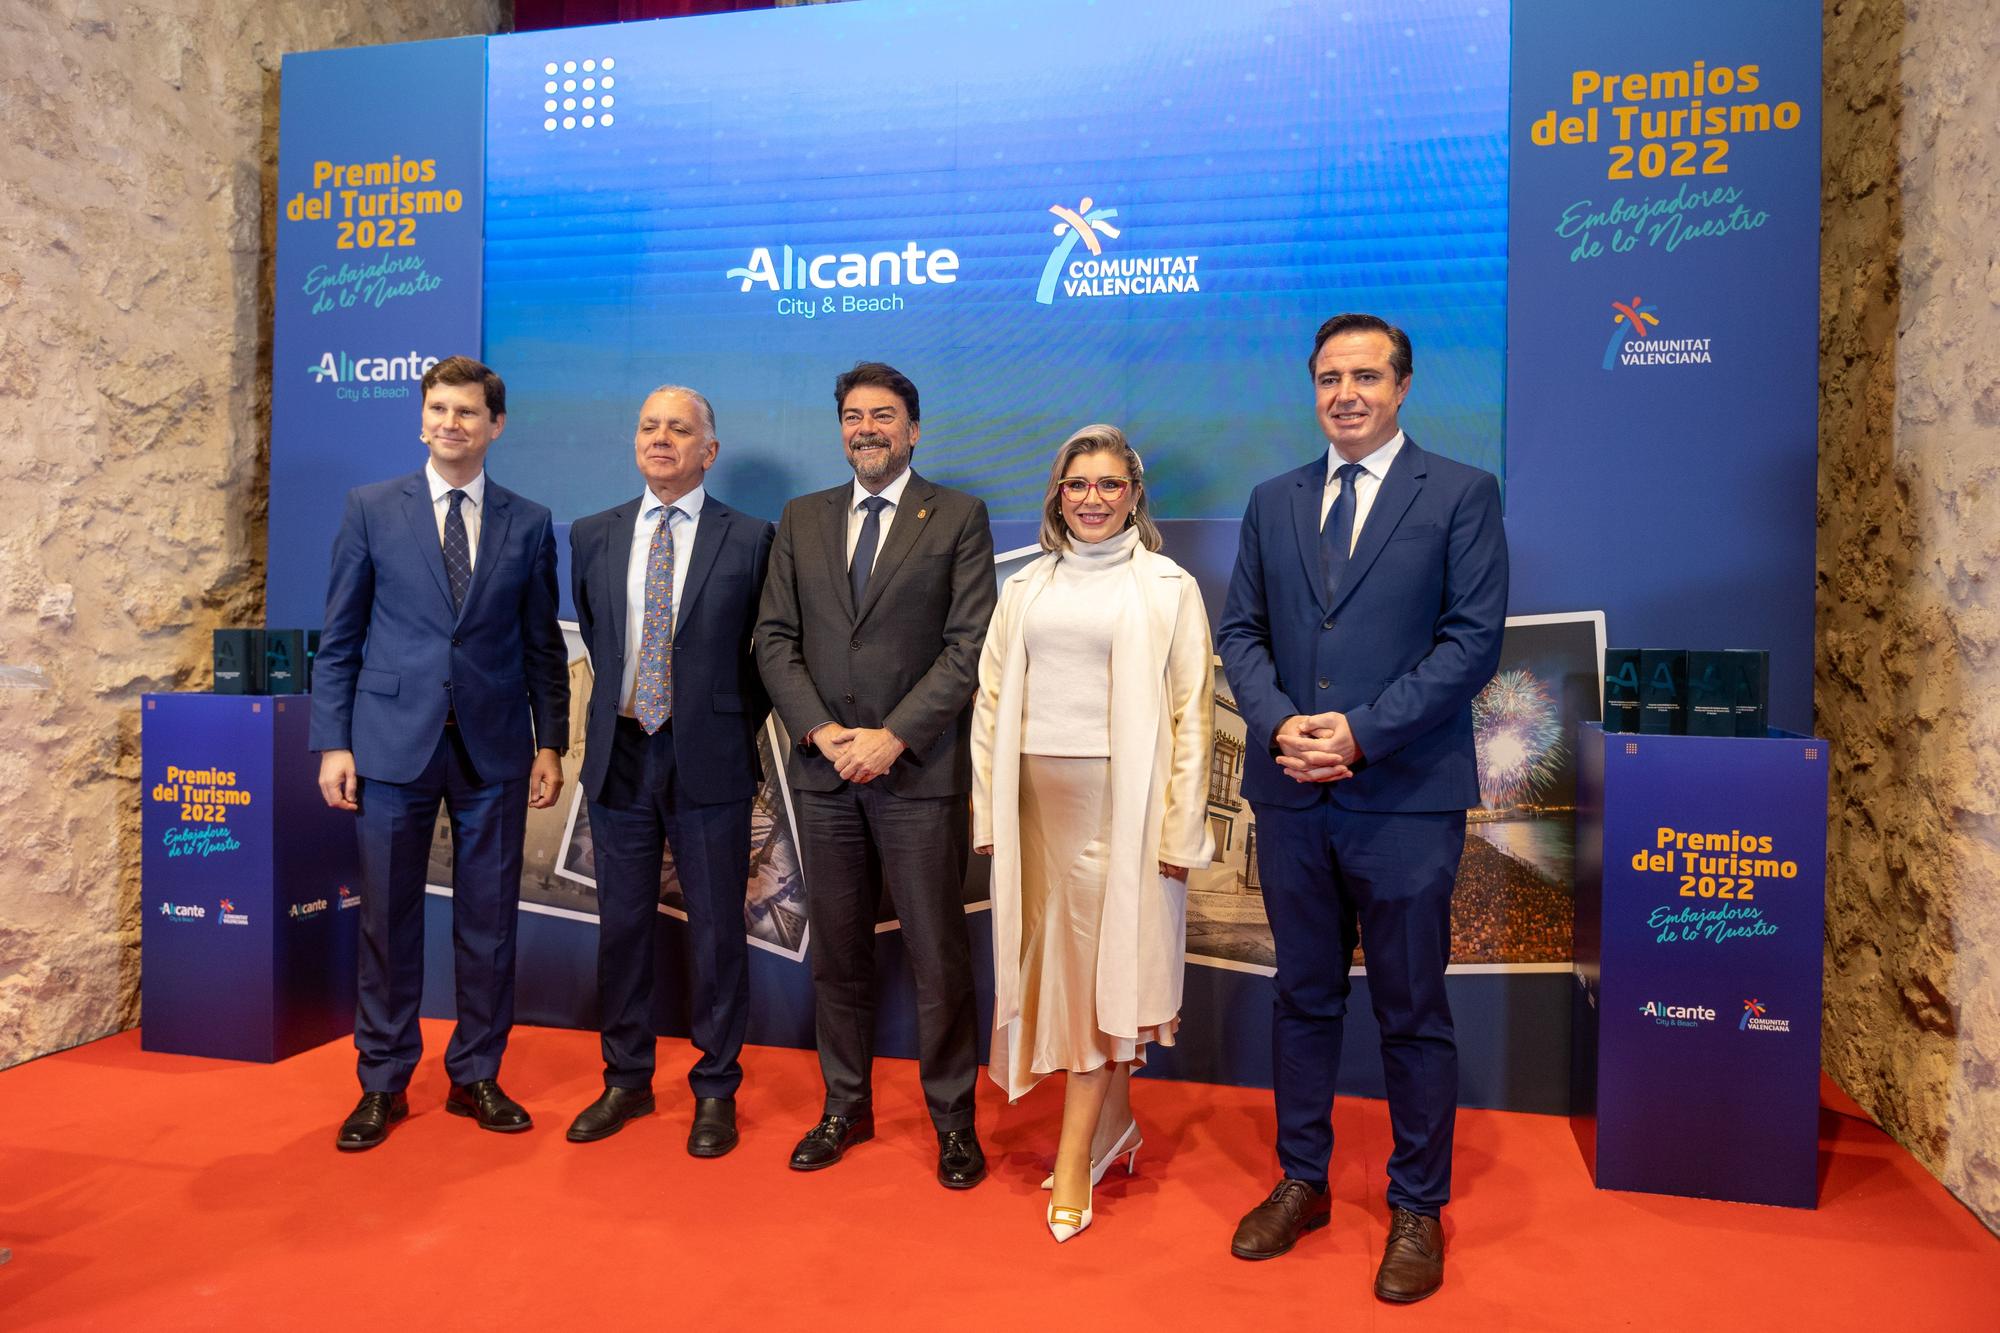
874	612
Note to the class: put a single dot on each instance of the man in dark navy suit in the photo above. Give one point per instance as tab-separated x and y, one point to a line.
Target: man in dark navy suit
1365	612
441	677
666	589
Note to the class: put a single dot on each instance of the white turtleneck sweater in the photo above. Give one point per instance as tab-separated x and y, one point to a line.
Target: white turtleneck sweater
1067	634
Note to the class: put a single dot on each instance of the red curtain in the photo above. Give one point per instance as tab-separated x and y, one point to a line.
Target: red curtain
535	15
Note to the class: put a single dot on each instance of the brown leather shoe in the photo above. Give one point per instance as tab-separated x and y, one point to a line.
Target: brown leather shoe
1413	1260
1276	1224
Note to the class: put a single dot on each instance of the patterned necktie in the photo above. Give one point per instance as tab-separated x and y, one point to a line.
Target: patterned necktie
1336	535
653	697
864	548
457	552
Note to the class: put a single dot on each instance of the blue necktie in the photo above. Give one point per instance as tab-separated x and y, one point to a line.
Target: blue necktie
457	552
864	548
1336	535
653	696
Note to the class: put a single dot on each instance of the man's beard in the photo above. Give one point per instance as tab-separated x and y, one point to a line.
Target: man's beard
878	467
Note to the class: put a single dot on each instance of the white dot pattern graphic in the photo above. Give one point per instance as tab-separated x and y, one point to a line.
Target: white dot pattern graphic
597	83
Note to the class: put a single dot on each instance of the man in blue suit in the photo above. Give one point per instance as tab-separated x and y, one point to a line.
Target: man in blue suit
1365	612
666	589
441	676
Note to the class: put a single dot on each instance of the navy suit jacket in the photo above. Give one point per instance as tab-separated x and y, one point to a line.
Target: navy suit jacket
1401	646
394	659
718	701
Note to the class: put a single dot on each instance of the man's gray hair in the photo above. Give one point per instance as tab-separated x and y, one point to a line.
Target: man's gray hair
707	412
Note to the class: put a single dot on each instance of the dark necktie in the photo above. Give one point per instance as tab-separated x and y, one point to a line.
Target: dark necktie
653	697
457	552
1336	535
864	548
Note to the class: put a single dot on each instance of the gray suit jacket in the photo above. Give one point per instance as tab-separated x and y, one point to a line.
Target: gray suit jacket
906	659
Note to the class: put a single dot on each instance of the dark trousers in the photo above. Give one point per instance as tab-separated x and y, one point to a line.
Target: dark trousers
395	823
645	809
854	841
1332	876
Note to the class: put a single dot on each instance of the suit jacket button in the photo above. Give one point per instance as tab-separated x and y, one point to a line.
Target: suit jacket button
855	645
847	698
1325	684
447	684
460	643
1324	624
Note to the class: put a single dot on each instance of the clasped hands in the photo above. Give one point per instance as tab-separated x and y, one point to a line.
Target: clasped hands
858	754
1317	748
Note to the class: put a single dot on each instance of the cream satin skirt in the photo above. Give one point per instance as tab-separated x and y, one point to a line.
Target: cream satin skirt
1065	828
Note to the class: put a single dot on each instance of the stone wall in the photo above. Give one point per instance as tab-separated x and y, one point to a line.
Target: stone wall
1908	681
138	165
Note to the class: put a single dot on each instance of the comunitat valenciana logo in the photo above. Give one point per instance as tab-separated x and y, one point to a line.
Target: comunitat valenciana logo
1633	342
232	917
348	898
1756	1019
1677	1015
799	277
183	912
342	368
1097	274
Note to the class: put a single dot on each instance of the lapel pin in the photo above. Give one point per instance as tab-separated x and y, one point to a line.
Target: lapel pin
923	513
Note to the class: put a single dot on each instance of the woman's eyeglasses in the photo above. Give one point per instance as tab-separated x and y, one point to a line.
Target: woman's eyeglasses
1075	488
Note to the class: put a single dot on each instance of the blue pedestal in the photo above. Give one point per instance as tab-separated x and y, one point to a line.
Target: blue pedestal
1700	913
250	883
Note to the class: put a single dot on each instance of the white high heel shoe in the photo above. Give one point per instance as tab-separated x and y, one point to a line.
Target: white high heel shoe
1128	1146
1067	1222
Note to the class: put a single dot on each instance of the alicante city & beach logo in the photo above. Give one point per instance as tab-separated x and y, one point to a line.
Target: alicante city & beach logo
1677	1015
1100	275
1634	344
358	377
805	283
183	912
1755	1019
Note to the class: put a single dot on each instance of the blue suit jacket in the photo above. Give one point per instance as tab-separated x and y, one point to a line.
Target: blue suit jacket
1411	634
394	659
719	702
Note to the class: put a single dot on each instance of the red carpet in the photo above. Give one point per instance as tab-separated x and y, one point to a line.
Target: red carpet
146	1191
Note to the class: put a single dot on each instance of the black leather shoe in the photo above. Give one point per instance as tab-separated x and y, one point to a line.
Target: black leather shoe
368	1123
492	1108
714	1131
608	1114
825	1142
1276	1224
961	1163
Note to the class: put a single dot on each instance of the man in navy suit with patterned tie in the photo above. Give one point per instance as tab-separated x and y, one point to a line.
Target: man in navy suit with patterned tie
1365	612
441	677
666	589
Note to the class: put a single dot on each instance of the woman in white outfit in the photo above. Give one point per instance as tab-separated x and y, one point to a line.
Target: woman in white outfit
1091	736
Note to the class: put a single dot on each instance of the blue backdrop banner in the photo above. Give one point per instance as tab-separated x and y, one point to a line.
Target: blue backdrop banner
1051	214
1664	337
380	212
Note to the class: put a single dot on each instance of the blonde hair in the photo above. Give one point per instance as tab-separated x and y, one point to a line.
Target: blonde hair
1097	439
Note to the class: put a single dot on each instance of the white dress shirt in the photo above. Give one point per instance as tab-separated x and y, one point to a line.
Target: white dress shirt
468	509
856	515
1373	469
684	515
